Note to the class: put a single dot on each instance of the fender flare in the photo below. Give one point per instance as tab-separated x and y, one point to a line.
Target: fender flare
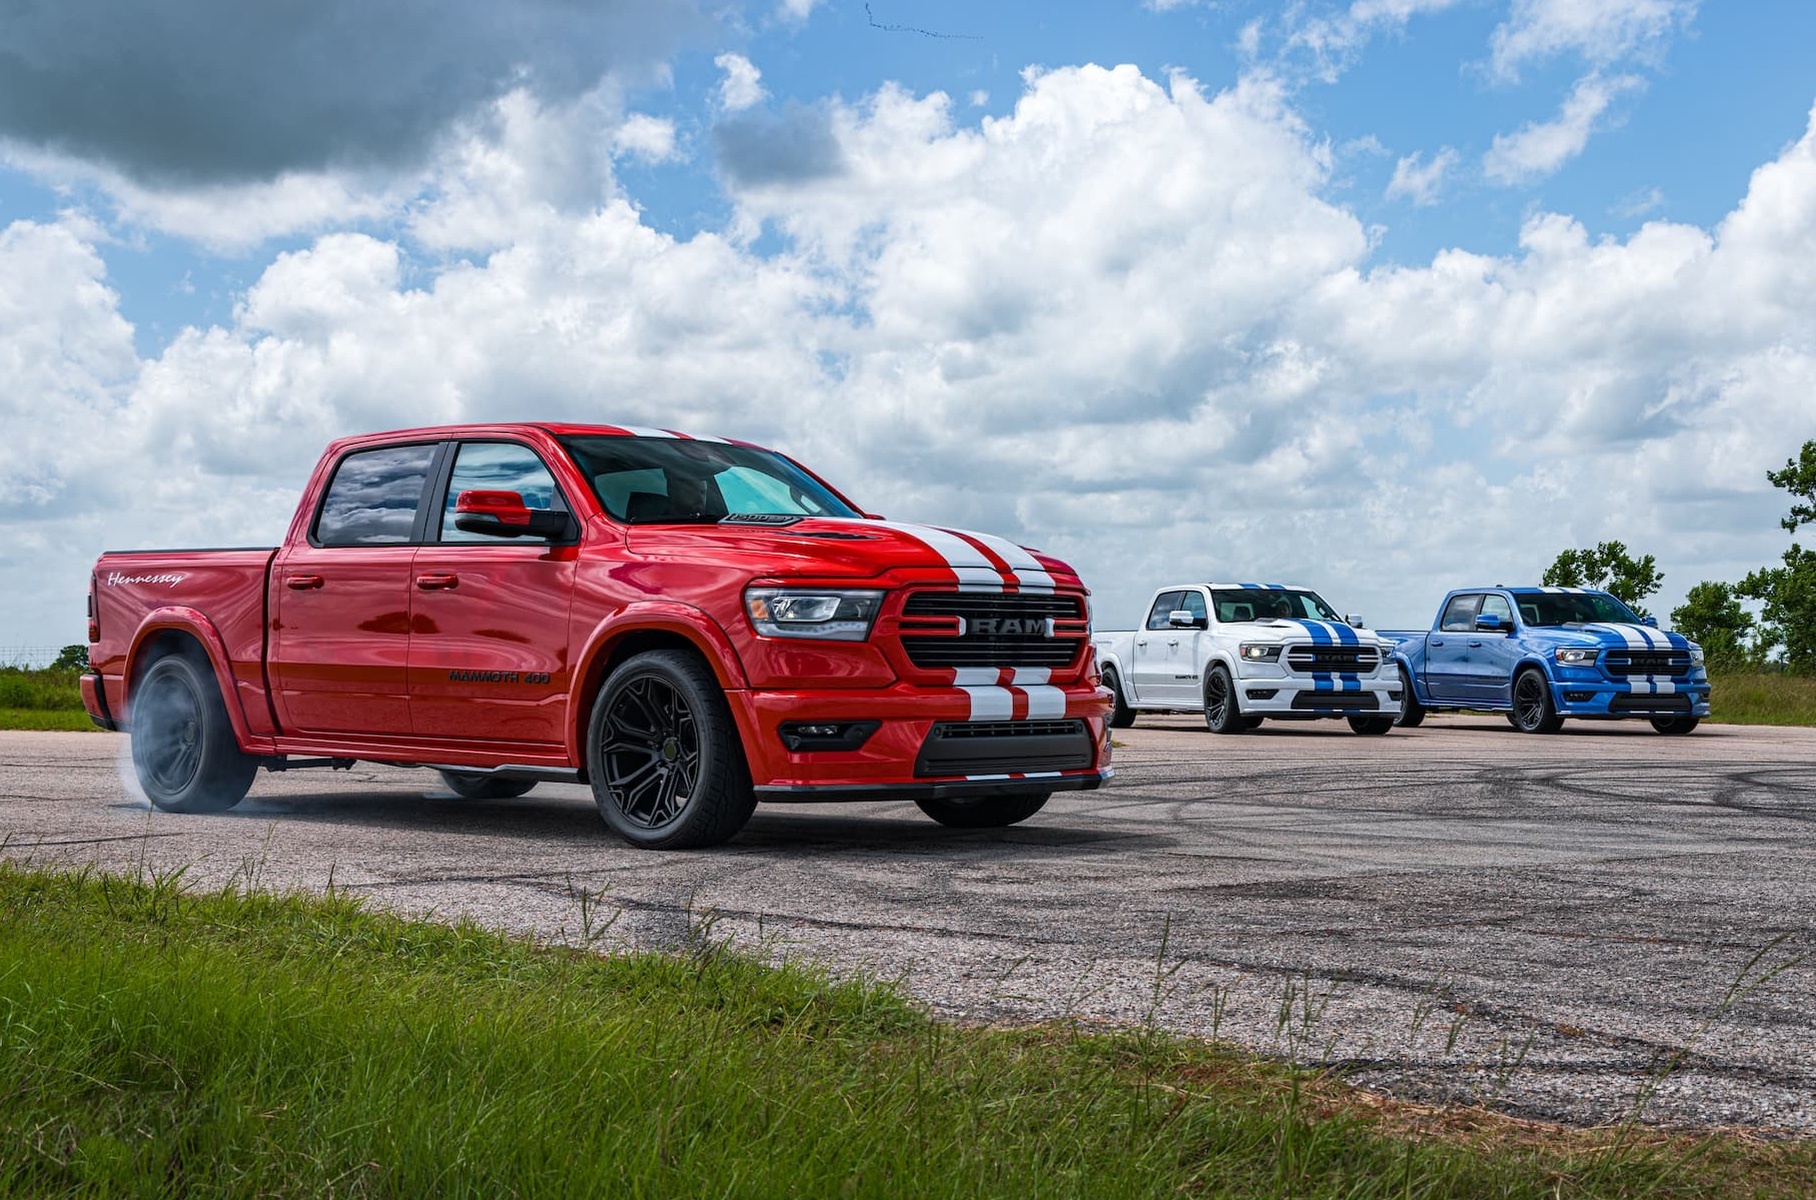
1218	657
651	616
195	623
1413	680
1544	671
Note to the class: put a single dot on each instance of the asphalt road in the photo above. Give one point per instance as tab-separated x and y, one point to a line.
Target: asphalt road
1576	927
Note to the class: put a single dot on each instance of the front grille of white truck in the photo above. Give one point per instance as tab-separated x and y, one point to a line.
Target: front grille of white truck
1357	660
993	629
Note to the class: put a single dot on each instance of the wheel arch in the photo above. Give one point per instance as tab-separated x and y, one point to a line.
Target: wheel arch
174	630
640	628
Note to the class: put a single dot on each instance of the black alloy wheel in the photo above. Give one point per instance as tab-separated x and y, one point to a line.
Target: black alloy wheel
478	785
667	767
984	812
1222	714
1121	715
1673	726
183	747
1532	708
1412	713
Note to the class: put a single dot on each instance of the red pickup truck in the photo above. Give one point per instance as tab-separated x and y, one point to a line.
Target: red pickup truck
689	625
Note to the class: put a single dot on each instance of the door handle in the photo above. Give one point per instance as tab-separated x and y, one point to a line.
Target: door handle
1435	642
1475	645
437	583
1141	642
303	583
1172	641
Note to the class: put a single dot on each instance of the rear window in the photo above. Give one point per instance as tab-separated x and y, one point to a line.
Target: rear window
373	498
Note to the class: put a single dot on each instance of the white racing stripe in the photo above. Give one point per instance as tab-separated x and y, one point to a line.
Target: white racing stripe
975	572
1024	566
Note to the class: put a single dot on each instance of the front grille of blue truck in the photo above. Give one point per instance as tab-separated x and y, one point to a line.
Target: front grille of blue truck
1622	663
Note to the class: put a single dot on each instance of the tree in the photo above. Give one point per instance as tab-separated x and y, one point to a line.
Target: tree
1799	479
1607	568
71	658
1788	591
1712	617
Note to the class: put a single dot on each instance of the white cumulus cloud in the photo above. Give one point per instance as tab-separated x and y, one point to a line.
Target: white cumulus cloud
742	86
1420	181
1540	148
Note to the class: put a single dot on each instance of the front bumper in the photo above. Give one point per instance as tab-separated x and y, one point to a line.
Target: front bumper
1581	693
1301	696
890	765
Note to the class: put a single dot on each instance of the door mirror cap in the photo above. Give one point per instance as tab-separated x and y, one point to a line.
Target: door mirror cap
1652	621
504	514
1181	618
1355	621
1490	623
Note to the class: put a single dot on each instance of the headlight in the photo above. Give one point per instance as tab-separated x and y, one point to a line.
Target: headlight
1254	652
1696	655
1576	656
827	614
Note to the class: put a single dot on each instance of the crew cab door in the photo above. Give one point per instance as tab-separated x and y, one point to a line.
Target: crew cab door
489	639
1492	656
1447	650
341	598
1151	669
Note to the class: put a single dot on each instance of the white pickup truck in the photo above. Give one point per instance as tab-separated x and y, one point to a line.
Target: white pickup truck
1243	652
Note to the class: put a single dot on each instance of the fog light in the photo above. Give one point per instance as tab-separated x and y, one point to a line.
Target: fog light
1262	693
1578	697
805	736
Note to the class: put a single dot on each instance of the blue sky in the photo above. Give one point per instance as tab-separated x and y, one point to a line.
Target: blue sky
505	218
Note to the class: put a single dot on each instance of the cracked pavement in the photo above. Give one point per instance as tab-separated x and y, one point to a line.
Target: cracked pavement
1576	927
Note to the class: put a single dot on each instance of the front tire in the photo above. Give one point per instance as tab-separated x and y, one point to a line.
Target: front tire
477	785
1533	710
1121	715
1412	713
1371	726
984	812
1222	714
1675	726
183	748
667	767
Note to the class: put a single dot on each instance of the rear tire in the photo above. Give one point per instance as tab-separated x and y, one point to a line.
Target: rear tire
1674	726
1222	714
1412	713
984	812
1371	726
183	748
476	785
1121	715
1533	710
666	763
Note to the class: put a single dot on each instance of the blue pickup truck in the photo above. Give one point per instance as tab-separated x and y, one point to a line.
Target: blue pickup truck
1540	654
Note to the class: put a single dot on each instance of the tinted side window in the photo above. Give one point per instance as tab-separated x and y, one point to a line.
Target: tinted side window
373	498
497	467
1499	607
1193	602
1460	614
1164	603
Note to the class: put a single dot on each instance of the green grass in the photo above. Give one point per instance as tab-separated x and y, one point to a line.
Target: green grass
43	699
1763	699
159	1042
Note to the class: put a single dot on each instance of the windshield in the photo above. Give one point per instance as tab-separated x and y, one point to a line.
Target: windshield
1572	608
1259	604
650	481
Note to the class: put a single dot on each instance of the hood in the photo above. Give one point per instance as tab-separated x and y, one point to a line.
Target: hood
859	548
1284	629
1621	636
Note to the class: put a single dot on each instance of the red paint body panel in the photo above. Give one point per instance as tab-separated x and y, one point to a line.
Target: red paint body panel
486	654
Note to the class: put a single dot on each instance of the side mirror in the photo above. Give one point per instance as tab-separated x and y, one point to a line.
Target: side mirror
504	514
1181	618
1490	623
1652	621
1355	621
